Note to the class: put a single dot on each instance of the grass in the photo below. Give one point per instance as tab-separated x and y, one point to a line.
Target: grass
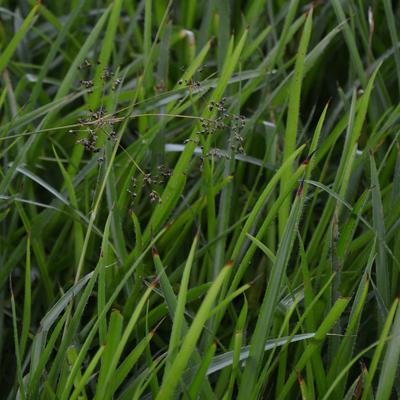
199	199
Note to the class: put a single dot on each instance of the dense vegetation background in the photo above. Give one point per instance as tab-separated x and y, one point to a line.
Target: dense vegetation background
199	199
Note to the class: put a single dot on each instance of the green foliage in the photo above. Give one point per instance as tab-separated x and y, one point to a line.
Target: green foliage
199	199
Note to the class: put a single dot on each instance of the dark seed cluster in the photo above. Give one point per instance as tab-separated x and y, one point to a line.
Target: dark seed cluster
224	120
154	197
89	143
150	180
107	75
164	172
218	153
132	189
87	84
192	84
95	121
237	140
86	64
116	83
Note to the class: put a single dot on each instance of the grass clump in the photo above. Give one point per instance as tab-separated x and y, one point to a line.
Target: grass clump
199	200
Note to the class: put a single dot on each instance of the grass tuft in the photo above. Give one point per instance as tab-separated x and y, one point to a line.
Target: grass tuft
199	199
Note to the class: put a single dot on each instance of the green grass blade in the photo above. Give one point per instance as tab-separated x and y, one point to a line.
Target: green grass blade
8	52
110	346
293	116
17	349
382	270
172	377
95	97
87	374
390	362
198	379
112	365
379	349
320	335
26	319
179	319
270	300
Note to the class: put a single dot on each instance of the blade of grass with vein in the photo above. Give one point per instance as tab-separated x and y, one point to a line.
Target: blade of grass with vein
266	314
345	371
26	319
224	30
64	30
346	348
229	298
78	231
51	316
34	375
172	376
115	356
379	349
382	270
262	200
174	305
145	380
90	336
166	287
95	97
272	214
290	16
348	231
87	374
351	42
112	341
8	52
237	346
17	348
198	380
226	359
72	355
391	21
69	333
293	117
332	317
390	362
310	309
104	260
268	252
255	43
345	165
129	362
179	318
